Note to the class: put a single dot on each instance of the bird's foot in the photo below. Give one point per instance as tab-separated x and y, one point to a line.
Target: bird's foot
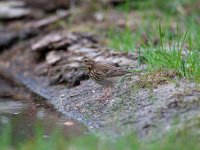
105	96
102	98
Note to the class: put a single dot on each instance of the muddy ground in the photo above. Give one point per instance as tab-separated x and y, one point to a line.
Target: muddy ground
46	58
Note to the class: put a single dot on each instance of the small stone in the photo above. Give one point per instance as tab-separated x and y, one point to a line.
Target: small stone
62	95
82	110
16	113
99	16
68	123
52	57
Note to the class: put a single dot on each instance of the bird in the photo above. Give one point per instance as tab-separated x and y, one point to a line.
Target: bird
103	74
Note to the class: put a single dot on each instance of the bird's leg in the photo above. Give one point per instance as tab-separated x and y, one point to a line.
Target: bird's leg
106	94
108	91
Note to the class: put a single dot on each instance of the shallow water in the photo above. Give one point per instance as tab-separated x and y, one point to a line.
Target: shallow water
23	111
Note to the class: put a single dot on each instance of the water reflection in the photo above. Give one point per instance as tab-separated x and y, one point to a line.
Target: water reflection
23	110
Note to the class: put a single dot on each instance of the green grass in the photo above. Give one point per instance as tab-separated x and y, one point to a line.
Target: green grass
175	57
168	13
176	50
183	139
187	66
174	44
170	7
124	41
5	138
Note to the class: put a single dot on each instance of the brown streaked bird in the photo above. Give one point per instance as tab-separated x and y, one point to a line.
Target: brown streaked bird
103	74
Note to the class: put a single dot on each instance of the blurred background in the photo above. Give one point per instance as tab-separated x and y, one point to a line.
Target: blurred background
136	21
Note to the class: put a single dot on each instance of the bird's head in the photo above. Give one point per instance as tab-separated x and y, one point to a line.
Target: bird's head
88	62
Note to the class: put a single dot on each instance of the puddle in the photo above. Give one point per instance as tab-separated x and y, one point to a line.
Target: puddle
23	111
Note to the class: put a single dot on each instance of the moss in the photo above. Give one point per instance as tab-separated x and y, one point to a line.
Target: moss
153	79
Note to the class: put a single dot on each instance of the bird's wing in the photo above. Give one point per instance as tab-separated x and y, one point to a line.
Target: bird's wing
116	72
111	71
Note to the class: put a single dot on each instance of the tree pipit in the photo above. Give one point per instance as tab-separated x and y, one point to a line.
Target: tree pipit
103	74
